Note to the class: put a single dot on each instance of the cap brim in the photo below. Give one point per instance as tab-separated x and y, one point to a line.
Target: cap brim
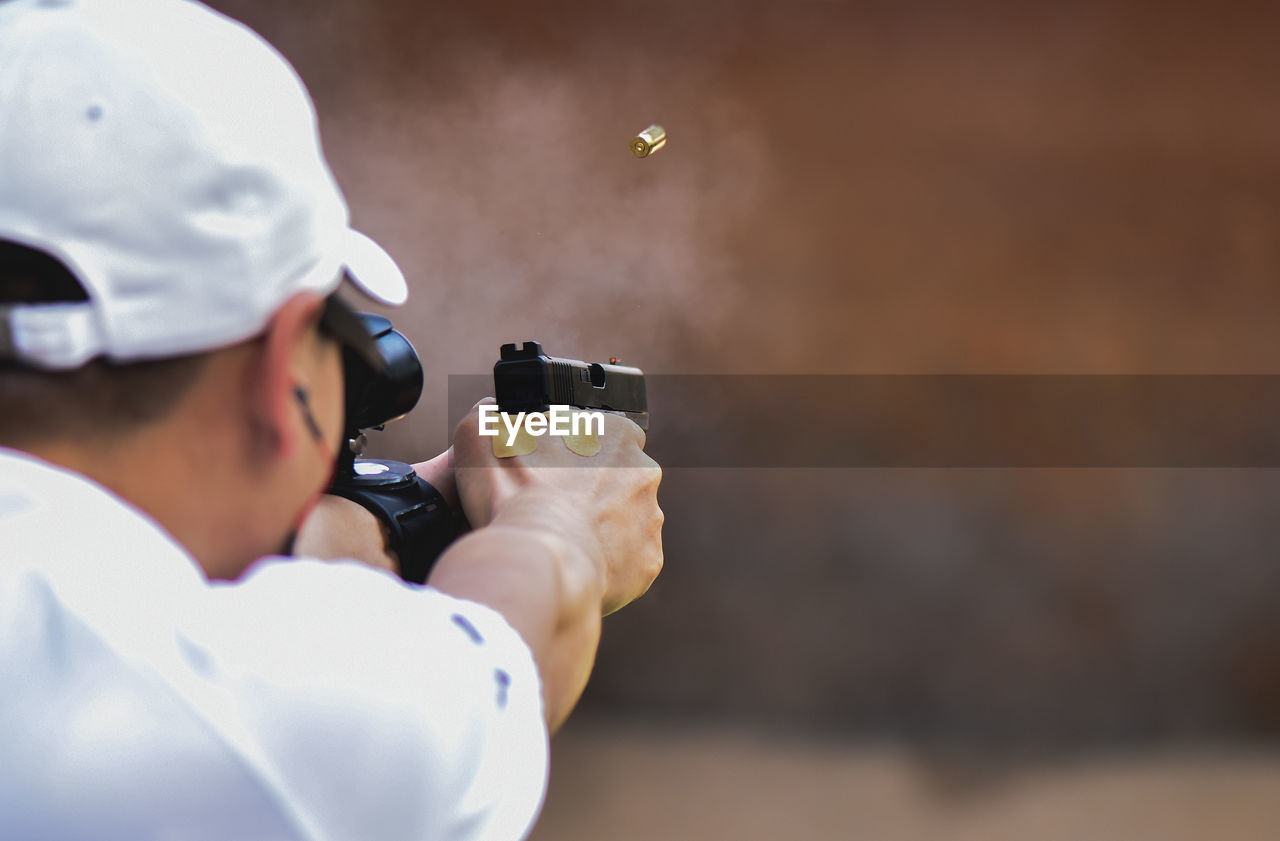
348	328
372	270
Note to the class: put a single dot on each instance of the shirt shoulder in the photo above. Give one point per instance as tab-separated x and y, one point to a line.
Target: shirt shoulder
434	702
352	703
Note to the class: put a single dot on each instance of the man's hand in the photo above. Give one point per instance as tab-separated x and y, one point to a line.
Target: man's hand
606	505
559	540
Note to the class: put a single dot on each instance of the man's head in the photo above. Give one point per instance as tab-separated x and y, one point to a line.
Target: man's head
169	234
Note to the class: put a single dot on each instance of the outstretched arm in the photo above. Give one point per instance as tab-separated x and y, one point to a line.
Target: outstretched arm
558	541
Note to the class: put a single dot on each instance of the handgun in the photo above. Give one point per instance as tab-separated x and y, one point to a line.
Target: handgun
527	380
419	522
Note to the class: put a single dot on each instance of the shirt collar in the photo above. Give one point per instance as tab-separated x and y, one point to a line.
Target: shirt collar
69	524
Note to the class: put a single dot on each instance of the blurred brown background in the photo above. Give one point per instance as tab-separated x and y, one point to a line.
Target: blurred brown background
874	187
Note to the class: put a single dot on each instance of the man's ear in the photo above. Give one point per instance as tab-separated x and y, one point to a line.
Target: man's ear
286	347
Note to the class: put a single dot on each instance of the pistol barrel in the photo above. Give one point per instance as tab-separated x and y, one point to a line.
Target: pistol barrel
527	380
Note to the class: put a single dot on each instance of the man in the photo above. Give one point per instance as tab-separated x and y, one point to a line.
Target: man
171	240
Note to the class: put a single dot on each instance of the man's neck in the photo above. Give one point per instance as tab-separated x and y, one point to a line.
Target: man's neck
147	471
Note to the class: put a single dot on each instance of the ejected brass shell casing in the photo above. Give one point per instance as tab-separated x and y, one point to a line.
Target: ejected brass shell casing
649	141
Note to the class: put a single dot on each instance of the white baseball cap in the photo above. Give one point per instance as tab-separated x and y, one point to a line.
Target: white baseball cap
170	159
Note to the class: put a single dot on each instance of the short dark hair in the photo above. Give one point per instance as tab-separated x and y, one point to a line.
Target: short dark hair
100	397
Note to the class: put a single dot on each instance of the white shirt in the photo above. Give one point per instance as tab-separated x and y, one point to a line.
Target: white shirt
306	701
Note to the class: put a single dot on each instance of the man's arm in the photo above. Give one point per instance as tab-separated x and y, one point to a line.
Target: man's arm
547	591
558	541
339	529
